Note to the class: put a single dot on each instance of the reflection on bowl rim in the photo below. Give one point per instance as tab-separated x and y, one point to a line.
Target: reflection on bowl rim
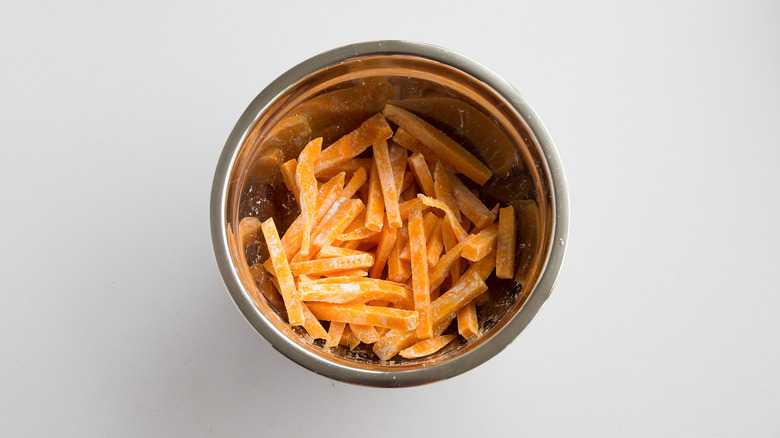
389	376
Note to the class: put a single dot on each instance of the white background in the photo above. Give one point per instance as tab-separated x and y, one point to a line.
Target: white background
665	320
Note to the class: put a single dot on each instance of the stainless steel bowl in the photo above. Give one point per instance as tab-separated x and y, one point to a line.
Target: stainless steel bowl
418	68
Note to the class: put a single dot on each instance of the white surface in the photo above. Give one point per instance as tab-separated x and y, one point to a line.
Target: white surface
664	322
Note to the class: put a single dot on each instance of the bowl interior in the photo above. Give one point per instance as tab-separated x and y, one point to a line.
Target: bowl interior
465	108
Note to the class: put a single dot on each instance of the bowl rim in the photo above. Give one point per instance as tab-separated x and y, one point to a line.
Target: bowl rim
390	378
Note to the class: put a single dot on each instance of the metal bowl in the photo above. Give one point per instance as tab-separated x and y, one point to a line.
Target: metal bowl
416	69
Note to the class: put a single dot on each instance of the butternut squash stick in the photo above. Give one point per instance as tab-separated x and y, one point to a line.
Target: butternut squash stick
470	205
449	240
386	241
335	331
438	142
460	233
360	233
347	273
419	262
429	223
350	244
352	144
426	347
332	251
468	326
387	179
354	341
326	266
307	188
481	244
312	325
398	270
283	274
288	175
435	244
482	299
442	268
405	208
443	189
407	182
366	333
407	141
398	160
375	206
349	290
348	167
346	334
367	315
422	174
505	246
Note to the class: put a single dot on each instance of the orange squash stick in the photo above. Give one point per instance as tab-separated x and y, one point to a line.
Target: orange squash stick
429	223
481	244
438	142
348	167
407	182
386	241
366	333
312	325
350	244
422	174
347	273
482	299
445	263
398	160
426	347
449	240
346	334
398	270
468	326
359	233
307	188
283	274
505	246
350	290
419	255
334	251
354	341
404	208
460	233
335	331
443	189
435	243
470	205
387	179
288	175
352	144
366	315
375	206
327	266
